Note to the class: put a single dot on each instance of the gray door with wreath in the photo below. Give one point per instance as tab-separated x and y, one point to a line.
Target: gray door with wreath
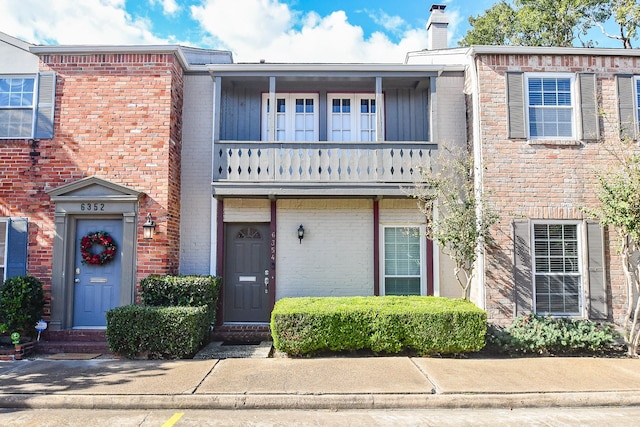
97	272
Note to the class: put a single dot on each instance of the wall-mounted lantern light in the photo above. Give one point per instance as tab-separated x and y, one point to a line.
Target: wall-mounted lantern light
148	228
300	233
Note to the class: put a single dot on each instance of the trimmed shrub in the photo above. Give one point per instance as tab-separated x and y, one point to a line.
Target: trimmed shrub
182	291
546	334
21	304
157	332
390	324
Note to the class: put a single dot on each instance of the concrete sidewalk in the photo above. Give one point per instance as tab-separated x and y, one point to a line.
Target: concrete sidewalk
320	383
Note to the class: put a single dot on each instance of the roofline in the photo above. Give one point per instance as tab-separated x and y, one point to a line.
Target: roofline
529	50
272	69
123	49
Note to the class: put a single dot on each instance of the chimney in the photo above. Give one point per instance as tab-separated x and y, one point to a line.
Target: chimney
437	27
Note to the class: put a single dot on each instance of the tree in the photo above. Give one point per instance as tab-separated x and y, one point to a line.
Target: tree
460	218
557	23
619	196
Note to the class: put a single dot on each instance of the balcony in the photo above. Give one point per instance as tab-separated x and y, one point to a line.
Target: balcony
293	168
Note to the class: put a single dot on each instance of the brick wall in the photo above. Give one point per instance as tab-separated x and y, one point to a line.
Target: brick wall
118	116
541	181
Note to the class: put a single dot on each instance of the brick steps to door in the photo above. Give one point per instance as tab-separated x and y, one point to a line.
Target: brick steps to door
241	333
73	341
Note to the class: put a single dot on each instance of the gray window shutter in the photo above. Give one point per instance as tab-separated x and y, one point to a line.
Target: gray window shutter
597	282
626	108
523	274
589	107
17	247
516	105
46	105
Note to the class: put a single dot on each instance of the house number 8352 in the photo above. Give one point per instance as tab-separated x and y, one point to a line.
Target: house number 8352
92	206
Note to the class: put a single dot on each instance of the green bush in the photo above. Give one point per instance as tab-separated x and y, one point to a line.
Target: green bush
183	291
158	332
390	324
21	304
545	334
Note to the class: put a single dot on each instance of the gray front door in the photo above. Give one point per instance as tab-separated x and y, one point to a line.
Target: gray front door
246	273
96	287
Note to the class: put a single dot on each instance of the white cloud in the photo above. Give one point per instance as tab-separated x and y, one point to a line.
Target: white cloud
386	21
268	29
169	7
75	22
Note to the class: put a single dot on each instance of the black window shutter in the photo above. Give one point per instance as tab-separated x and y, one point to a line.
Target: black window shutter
516	105
589	107
523	274
46	105
626	110
597	282
17	247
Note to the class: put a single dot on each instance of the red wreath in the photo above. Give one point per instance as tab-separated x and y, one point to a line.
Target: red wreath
100	238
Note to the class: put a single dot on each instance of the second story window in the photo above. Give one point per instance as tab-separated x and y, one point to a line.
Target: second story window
550	106
296	117
27	106
352	117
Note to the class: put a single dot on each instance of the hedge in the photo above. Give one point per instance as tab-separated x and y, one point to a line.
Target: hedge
390	324
182	291
157	332
21	305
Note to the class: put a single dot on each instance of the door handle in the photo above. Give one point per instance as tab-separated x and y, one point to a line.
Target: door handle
76	281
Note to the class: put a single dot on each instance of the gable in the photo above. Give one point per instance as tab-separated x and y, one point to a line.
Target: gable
93	187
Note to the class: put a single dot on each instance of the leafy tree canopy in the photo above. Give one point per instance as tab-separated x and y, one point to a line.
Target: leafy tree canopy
559	23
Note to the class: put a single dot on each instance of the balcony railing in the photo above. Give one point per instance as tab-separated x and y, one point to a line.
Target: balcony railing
370	162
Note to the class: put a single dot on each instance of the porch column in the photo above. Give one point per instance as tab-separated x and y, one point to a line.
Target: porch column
379	111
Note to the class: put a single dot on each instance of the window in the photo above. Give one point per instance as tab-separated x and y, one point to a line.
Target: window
352	117
637	81
296	117
13	247
557	278
550	106
27	106
553	107
403	265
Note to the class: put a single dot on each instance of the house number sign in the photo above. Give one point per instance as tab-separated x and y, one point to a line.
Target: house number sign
95	207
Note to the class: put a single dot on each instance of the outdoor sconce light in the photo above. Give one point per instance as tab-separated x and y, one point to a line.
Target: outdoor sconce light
148	228
300	233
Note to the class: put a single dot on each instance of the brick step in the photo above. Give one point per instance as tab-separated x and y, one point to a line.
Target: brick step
53	347
88	335
241	333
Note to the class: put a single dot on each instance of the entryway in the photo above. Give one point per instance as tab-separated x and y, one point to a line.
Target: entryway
247	291
96	286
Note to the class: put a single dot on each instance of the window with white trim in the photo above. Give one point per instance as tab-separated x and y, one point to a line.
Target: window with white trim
296	117
557	269
351	117
27	105
403	266
637	98
550	106
3	250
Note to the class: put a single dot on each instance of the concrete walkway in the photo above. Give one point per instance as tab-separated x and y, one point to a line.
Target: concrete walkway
320	383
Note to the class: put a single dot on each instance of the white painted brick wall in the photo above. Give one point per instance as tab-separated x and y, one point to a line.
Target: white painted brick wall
196	217
247	210
336	254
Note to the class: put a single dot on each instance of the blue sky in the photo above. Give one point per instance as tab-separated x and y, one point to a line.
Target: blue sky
274	30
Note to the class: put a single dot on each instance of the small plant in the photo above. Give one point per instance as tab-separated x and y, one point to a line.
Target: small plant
21	305
545	334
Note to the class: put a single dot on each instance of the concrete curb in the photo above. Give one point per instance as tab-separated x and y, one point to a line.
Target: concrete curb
323	401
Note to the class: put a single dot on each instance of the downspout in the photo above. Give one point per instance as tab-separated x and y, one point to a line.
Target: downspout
478	174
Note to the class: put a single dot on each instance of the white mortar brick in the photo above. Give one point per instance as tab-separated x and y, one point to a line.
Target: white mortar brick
335	257
196	218
247	210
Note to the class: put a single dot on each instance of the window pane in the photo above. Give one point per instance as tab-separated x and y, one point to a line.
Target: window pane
557	269
299	105
550	107
335	106
346	105
402	262
281	105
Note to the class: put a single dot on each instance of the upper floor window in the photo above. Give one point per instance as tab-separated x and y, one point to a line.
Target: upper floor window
27	106
352	117
296	117
550	106
637	81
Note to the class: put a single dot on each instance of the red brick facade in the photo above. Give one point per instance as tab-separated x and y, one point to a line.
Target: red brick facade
550	180
118	117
